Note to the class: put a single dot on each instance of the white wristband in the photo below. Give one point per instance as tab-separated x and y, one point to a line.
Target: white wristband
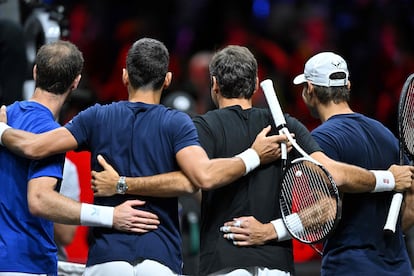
281	230
94	215
250	158
3	127
384	181
294	223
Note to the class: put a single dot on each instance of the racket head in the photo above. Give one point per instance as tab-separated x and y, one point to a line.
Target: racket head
309	193
406	116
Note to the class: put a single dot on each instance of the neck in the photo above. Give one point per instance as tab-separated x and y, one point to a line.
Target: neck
145	96
244	103
327	111
52	101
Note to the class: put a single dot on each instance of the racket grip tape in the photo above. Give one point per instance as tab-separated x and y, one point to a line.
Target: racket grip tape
273	102
394	212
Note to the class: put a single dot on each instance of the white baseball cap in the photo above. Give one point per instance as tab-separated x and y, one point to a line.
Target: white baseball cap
320	67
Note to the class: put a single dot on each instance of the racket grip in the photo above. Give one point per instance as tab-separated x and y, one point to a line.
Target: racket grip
284	151
273	102
393	213
283	148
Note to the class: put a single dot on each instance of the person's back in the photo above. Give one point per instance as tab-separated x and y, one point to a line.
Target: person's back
224	132
141	139
26	240
359	237
353	138
27	243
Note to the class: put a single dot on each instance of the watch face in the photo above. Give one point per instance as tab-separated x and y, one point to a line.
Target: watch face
121	187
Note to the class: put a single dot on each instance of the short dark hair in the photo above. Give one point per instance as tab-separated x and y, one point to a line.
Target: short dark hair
58	64
147	63
235	69
337	94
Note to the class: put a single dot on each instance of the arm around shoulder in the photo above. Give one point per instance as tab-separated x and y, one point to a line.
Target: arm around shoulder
354	179
37	146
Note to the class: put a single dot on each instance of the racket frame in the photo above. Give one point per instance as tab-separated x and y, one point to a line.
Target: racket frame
397	198
280	122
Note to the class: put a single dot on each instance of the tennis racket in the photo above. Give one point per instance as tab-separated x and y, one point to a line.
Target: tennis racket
406	143
309	198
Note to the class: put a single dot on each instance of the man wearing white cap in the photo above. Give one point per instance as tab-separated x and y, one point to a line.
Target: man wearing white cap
358	245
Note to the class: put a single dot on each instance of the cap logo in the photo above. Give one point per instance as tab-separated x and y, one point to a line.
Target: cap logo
336	63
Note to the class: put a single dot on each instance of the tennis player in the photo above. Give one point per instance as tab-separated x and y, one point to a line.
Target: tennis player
142	137
30	198
223	133
351	137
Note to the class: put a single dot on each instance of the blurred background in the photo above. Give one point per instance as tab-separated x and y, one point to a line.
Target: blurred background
374	36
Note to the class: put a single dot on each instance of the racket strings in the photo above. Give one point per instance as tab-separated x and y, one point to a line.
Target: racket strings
309	193
407	119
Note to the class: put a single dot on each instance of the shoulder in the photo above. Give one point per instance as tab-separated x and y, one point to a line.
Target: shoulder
31	116
294	125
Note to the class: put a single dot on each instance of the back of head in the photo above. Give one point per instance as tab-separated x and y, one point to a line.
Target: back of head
58	64
147	64
328	72
235	69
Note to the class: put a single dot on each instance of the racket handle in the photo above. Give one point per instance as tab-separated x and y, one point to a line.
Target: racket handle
273	102
283	148
284	151
393	213
283	157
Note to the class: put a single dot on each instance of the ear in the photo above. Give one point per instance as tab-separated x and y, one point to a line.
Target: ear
256	87
214	85
309	89
348	85
167	80
34	72
76	82
125	77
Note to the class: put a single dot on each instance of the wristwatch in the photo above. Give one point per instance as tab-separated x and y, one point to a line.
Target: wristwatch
121	186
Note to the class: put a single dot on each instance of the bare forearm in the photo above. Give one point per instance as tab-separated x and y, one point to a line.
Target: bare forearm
162	185
55	207
216	173
348	178
170	184
353	179
37	146
18	141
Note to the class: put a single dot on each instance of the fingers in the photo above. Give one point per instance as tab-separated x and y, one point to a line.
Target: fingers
140	222
282	138
147	217
141	227
237	222
135	202
234	231
3	115
140	214
102	162
265	131
236	235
